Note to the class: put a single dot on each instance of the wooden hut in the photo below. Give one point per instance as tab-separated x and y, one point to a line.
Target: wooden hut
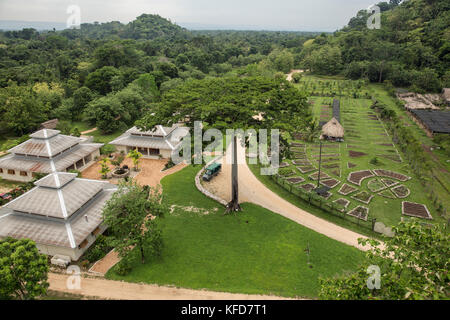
333	130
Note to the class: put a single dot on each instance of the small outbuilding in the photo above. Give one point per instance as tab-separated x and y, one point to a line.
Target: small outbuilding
333	130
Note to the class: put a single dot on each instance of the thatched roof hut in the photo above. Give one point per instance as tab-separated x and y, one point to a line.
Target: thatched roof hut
333	129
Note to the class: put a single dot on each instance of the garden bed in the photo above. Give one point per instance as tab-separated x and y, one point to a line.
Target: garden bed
389	182
391	174
295	180
308	187
359	212
415	210
387	194
344	203
300	162
286	172
351	165
363	197
375	185
346	189
330	183
306	169
315	176
356	154
401	191
357	177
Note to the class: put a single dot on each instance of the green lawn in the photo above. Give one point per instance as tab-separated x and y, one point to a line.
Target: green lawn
364	134
254	252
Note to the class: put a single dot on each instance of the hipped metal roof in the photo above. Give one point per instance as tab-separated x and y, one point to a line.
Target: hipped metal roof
61	210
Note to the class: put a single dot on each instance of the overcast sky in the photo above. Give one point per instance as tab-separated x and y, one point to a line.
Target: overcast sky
308	15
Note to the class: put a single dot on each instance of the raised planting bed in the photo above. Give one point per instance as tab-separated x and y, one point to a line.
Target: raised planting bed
387	194
284	165
401	191
330	183
336	172
389	182
295	180
315	176
308	187
324	146
359	212
363	197
375	185
346	189
392	157
391	174
327	160
351	165
326	155
356	154
298	145
306	169
301	162
331	166
286	172
342	203
301	156
327	195
415	210
357	177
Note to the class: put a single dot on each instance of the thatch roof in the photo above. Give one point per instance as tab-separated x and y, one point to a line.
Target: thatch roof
333	129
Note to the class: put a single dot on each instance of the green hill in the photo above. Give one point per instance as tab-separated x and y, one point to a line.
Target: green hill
412	47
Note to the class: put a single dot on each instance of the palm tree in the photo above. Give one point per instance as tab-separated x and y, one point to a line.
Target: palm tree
105	168
135	156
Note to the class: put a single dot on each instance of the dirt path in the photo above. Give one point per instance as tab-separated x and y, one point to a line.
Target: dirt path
289	75
150	171
254	191
109	289
89	131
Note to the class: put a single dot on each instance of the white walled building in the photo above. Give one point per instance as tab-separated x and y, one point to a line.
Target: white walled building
155	144
62	214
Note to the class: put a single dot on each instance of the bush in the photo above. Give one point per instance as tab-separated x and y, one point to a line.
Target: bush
107	149
123	267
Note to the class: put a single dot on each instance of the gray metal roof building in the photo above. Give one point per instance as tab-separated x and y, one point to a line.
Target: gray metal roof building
62	214
160	139
48	151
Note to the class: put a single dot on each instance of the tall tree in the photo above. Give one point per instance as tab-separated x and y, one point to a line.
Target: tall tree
413	264
131	215
23	270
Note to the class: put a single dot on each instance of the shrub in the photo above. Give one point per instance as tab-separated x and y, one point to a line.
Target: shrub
98	250
107	149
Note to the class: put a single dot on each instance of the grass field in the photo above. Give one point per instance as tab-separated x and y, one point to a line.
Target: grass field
254	252
438	157
365	140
